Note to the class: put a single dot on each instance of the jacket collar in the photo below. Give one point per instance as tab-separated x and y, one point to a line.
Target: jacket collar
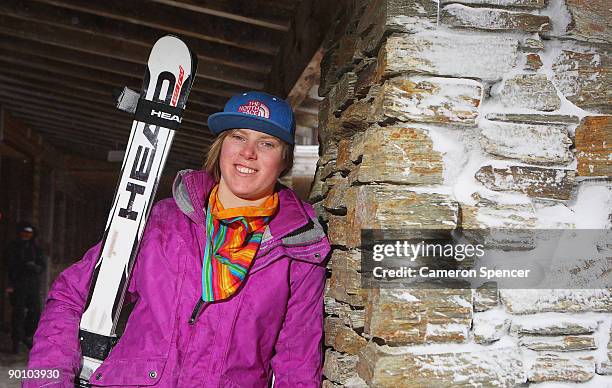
191	190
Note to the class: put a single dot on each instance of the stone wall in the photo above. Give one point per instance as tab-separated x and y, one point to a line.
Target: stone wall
473	114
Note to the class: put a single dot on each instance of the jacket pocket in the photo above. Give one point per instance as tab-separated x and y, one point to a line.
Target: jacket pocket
129	372
315	252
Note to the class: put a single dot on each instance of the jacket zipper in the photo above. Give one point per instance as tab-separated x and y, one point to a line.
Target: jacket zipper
196	310
192	319
198	306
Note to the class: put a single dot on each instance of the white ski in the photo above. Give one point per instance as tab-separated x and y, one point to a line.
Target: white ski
170	74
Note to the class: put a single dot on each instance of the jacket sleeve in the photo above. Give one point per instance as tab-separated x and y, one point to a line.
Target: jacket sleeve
56	343
298	359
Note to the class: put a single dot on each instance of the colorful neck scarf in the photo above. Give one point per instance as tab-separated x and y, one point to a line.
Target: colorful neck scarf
232	239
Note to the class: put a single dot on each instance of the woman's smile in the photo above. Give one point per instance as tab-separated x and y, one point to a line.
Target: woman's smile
243	170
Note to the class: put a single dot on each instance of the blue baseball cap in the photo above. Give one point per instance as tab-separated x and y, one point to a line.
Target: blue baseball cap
258	111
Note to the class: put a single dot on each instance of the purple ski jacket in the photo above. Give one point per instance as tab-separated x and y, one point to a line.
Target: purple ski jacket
272	325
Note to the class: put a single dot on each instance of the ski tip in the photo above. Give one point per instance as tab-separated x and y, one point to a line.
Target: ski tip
170	51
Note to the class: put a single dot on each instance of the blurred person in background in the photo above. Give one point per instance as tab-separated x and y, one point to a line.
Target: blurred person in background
25	263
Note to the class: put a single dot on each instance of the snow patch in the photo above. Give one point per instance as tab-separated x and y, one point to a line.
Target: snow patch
592	205
559	15
454	155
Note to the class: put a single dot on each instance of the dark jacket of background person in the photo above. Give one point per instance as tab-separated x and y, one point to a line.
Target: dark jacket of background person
25	263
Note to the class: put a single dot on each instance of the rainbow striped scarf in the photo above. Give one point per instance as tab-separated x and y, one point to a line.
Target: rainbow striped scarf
232	239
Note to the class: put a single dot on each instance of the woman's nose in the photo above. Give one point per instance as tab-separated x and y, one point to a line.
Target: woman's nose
249	150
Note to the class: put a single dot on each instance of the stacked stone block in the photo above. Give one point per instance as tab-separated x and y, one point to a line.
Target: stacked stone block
473	114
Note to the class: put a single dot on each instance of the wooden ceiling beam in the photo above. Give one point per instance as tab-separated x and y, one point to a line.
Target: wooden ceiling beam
103	75
97	62
177	159
60	92
88	86
69	55
58	142
67	126
66	113
276	15
100	44
80	75
124	30
124	122
33	63
51	88
33	96
22	138
183	153
105	92
10	152
35	145
82	135
311	21
191	119
25	61
53	136
118	131
309	77
209	28
195	114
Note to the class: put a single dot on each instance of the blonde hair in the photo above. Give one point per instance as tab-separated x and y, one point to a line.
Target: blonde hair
212	164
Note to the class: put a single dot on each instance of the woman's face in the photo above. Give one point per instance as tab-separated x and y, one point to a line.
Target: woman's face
250	163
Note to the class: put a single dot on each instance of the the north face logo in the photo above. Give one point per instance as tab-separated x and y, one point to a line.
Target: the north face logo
256	108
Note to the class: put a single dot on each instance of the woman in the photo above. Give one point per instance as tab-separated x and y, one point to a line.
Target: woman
229	279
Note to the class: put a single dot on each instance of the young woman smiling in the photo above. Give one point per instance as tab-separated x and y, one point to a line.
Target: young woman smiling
229	279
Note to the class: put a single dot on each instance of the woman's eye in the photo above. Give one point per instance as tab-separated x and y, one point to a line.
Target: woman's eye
238	137
267	144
